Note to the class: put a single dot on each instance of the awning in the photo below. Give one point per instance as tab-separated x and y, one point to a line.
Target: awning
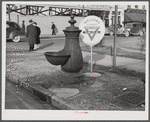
134	17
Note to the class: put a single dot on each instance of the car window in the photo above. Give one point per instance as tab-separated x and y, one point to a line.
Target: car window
119	26
13	25
128	25
137	25
17	26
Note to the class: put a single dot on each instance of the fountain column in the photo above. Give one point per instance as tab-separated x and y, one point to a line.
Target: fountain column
71	55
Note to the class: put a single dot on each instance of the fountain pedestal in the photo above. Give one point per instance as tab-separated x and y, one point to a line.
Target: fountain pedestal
70	78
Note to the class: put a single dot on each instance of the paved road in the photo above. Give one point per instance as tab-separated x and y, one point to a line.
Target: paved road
20	99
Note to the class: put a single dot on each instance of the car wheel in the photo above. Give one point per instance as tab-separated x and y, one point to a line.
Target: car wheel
16	38
111	33
127	34
141	33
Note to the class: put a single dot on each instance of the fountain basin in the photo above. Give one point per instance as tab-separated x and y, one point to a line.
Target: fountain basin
56	59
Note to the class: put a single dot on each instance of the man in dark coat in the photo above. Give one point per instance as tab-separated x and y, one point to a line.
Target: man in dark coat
53	29
31	35
37	43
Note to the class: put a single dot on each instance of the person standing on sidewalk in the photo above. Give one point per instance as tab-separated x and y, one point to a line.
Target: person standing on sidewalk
53	29
37	43
23	25
31	35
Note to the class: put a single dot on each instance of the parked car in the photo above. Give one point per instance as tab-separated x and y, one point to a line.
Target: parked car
134	28
14	31
110	30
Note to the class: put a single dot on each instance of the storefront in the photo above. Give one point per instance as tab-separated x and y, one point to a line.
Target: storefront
107	14
135	15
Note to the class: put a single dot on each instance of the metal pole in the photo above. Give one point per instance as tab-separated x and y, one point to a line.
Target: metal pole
83	10
17	18
91	60
8	12
115	36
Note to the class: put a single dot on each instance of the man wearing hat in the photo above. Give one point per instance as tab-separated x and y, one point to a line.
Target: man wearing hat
31	35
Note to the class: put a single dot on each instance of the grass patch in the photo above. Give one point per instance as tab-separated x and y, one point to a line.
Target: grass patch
113	83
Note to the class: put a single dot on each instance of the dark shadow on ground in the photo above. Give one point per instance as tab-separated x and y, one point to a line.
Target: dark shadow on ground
46	45
96	57
9	40
22	50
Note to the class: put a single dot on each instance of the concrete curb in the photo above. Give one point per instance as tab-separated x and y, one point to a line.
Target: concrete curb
51	98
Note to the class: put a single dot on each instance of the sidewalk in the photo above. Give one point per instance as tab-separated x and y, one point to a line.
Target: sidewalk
121	62
132	50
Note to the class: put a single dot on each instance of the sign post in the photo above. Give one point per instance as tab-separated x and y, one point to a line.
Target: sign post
93	30
115	36
91	60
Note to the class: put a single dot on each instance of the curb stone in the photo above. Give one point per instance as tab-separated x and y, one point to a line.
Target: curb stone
51	98
60	103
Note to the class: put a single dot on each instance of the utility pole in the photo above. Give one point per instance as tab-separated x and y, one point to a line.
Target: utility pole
17	18
83	10
115	36
9	12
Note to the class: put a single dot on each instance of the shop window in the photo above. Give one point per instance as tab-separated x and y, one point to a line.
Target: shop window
106	22
136	6
143	7
128	6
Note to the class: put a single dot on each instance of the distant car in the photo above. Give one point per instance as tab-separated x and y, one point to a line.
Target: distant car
110	30
14	31
134	28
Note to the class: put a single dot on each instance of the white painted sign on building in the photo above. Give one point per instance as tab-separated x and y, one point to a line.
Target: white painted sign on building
93	30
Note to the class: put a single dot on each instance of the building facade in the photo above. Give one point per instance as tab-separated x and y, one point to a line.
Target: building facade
105	12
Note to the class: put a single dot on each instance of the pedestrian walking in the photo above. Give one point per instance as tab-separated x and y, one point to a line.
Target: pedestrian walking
53	29
37	43
31	35
23	25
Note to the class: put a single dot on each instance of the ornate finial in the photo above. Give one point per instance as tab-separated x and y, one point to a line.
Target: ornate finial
72	16
72	21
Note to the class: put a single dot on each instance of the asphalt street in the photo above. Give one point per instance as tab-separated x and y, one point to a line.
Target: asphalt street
18	98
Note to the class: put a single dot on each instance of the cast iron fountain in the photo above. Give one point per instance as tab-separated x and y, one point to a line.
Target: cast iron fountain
70	57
